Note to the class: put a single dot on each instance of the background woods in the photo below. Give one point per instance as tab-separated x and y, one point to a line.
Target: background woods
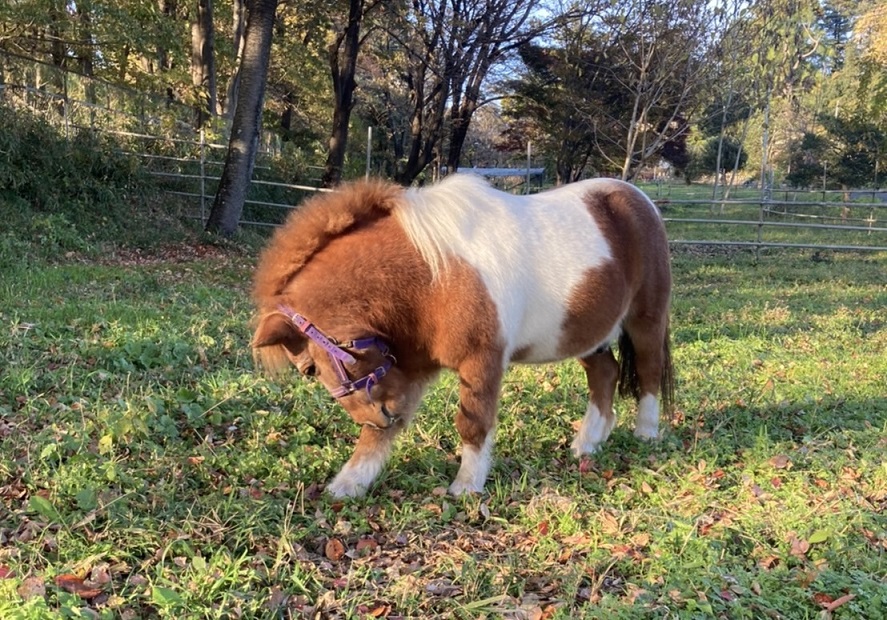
767	90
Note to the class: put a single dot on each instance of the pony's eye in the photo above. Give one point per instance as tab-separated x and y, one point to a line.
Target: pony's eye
310	370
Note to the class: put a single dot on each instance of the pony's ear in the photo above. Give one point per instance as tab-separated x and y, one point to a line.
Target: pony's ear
274	328
276	343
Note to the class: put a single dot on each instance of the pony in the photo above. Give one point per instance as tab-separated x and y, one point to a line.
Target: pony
373	289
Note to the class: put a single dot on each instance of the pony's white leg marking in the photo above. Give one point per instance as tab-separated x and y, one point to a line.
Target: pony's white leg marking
593	431
475	467
648	417
358	474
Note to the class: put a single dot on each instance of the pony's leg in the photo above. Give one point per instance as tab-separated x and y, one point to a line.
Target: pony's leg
648	336
370	455
602	372
480	380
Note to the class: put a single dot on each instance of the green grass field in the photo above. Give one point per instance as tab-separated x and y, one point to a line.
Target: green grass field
147	470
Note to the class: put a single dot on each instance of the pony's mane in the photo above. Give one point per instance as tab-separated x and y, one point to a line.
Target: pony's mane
434	218
314	225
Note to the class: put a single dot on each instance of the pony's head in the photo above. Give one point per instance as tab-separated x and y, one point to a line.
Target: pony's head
358	369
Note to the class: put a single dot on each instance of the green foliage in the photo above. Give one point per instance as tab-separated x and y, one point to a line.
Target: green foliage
730	149
846	155
59	196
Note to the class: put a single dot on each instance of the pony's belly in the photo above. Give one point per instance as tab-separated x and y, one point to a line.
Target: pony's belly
552	349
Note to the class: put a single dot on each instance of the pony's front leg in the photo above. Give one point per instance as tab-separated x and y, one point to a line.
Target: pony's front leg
370	455
480	381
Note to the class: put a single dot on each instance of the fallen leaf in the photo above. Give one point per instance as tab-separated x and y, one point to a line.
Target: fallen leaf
822	599
609	524
366	545
819	536
839	601
768	562
6	572
32	587
334	549
780	461
76	585
799	546
776	481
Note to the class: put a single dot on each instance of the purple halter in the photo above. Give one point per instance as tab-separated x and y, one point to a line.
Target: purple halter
339	356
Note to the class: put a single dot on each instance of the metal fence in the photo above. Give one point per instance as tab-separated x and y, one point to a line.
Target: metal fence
841	220
159	132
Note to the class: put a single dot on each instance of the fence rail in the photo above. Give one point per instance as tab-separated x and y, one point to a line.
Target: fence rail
159	133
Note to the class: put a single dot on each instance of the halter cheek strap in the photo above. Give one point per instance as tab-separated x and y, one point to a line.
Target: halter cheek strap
340	356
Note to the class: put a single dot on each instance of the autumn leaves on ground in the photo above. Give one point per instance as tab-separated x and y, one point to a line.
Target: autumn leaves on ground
147	470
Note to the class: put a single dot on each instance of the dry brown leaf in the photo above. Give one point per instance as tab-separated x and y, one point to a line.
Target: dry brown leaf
799	546
76	585
366	546
334	549
780	461
32	587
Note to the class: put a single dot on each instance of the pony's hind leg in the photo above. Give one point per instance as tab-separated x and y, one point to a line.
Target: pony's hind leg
601	371
480	380
646	371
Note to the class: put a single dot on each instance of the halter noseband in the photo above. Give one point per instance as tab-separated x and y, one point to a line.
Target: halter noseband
339	355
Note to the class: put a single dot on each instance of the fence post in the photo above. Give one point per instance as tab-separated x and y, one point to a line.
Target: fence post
203	176
369	150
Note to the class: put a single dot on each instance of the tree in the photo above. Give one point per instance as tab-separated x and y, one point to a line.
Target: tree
615	88
343	53
240	159
433	59
203	68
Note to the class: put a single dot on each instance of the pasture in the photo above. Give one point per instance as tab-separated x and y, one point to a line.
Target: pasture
147	470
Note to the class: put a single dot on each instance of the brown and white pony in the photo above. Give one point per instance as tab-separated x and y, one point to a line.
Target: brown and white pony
373	289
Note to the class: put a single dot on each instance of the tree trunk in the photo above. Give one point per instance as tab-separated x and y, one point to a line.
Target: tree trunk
343	65
238	22
203	69
228	204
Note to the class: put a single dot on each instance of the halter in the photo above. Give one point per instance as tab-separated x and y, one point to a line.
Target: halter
339	356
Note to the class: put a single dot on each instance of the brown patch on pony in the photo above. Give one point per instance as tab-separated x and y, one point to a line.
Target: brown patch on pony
313	225
588	322
637	242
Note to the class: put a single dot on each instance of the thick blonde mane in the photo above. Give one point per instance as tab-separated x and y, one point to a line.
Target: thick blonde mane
314	225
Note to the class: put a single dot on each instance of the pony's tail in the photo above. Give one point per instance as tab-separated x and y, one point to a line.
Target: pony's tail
629	383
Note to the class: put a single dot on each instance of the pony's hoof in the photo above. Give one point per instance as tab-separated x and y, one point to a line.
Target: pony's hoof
582	448
341	489
647	433
459	488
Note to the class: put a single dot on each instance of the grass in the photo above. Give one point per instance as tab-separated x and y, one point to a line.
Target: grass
146	469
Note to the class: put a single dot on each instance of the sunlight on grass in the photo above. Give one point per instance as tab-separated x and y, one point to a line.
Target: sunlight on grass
144	463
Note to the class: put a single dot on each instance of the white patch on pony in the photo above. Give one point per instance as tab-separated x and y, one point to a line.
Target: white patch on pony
530	251
357	475
647	426
474	468
593	431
